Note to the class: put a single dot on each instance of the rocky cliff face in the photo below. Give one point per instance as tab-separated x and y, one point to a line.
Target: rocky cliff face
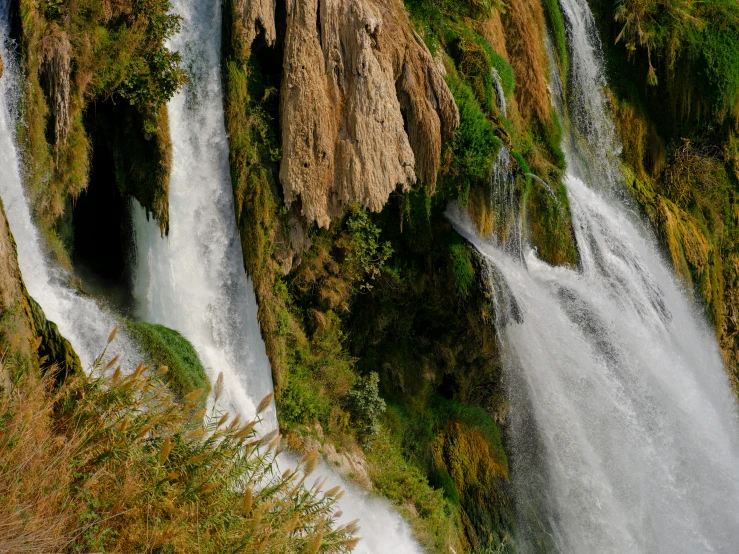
27	338
364	109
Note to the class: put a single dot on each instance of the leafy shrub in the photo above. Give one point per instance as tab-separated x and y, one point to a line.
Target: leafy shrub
719	67
366	406
696	40
475	144
321	373
463	271
366	252
112	463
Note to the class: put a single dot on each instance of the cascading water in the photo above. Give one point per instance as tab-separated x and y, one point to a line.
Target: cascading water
499	93
80	319
504	203
625	434
194	279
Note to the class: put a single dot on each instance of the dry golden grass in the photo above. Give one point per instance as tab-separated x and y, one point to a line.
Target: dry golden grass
524	27
111	463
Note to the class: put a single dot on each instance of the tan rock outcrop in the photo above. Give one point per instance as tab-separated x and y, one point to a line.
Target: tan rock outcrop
55	53
363	108
256	16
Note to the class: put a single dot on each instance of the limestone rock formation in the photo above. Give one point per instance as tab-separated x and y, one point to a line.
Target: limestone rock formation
257	15
364	108
55	53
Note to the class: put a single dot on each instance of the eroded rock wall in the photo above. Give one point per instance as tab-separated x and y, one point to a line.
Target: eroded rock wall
364	109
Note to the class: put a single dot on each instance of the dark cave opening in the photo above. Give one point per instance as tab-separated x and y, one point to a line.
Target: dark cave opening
102	232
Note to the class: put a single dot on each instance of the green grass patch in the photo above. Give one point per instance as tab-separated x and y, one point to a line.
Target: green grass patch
163	346
462	268
556	24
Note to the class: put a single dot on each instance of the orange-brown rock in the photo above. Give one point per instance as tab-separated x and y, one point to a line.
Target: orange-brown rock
256	16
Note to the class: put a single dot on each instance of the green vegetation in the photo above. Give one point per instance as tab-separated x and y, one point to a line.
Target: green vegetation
115	464
556	26
366	406
77	54
398	295
475	144
163	346
678	125
693	45
463	269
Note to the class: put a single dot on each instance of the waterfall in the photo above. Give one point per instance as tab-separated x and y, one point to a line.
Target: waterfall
194	279
594	150
504	203
80	319
624	429
499	93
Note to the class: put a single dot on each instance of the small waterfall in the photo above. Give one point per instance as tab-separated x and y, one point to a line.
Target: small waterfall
194	279
505	204
79	318
592	152
499	93
625	432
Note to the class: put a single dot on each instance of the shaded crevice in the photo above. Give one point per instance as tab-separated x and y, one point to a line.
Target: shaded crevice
101	223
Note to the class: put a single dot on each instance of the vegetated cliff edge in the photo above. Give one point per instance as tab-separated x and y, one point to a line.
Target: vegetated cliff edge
28	341
335	110
92	65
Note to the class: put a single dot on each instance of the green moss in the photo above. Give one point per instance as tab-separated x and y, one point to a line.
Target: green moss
475	145
719	67
549	223
436	519
462	269
53	348
475	60
556	23
321	374
165	347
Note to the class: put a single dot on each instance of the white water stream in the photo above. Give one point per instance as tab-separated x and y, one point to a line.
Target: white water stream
625	433
84	322
194	280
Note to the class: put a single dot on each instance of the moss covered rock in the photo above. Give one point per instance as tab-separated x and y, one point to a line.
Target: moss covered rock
163	346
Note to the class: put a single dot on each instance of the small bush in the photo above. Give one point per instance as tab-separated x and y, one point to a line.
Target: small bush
365	252
366	407
475	144
460	259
